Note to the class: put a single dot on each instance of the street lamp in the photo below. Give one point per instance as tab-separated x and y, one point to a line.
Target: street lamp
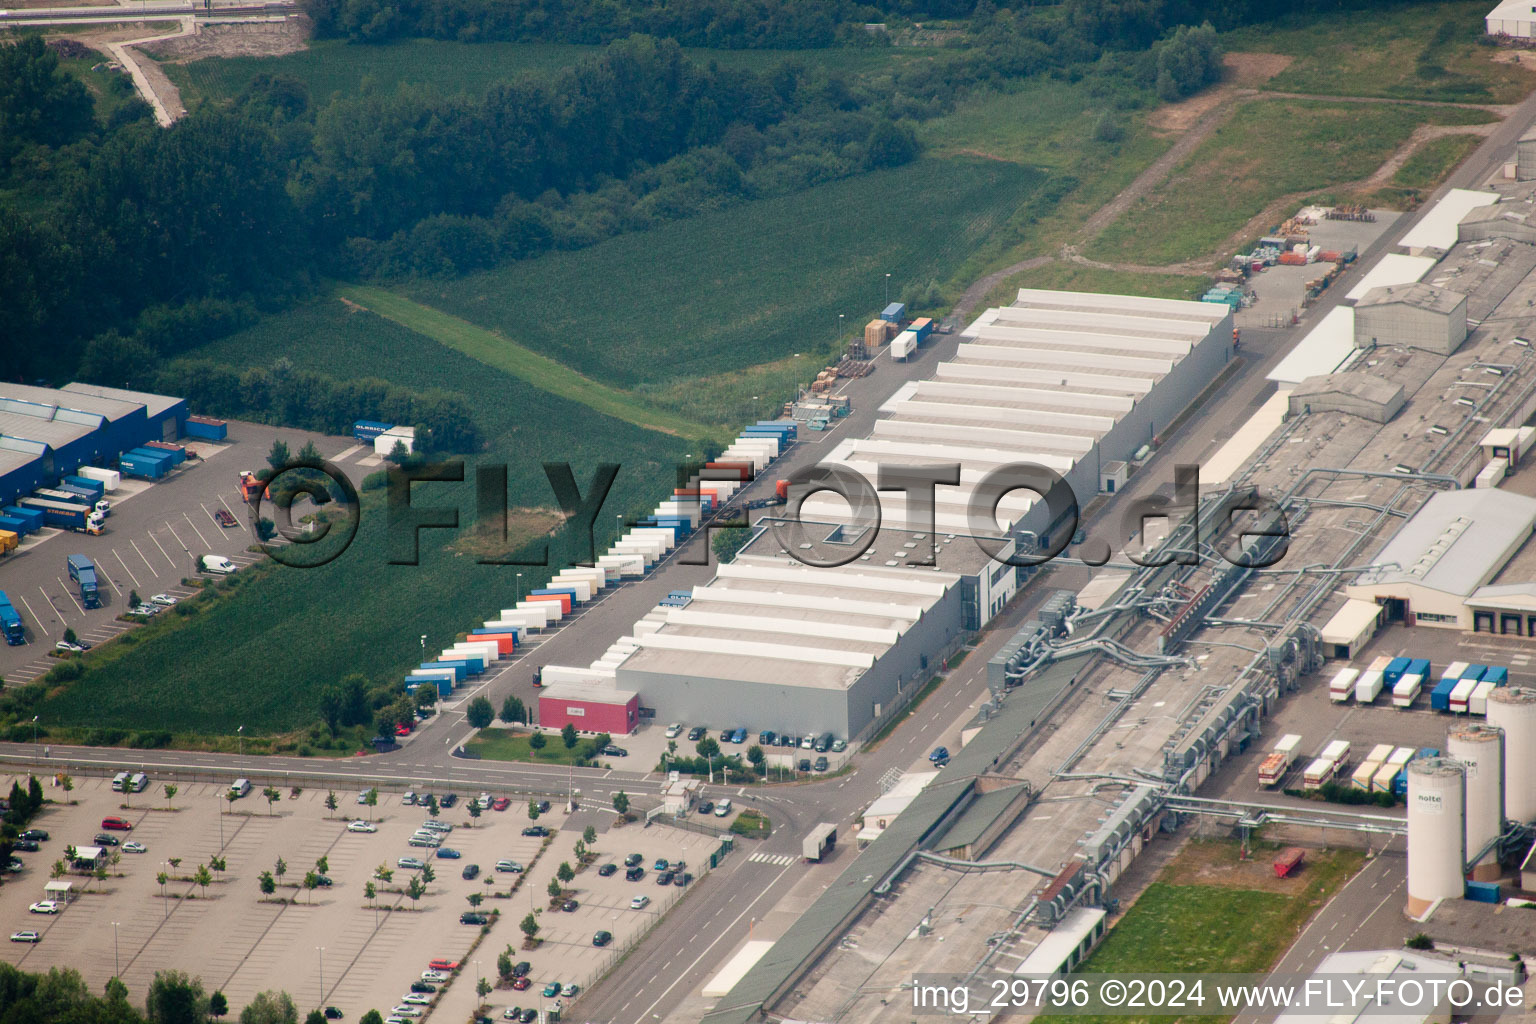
887	289
116	970
34	730
840	326
321	950
519	598
241	733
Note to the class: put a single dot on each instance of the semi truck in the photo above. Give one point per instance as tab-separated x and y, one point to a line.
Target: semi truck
1279	760
83	571
819	842
10	622
64	515
1342	686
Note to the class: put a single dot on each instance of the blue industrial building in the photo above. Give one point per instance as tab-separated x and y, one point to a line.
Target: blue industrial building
49	433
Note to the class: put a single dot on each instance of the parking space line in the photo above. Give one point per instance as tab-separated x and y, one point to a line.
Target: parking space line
111	583
38	622
195	530
141	555
210	515
125	567
66	590
172	531
168	558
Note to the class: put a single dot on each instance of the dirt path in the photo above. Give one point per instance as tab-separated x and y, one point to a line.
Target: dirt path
148	80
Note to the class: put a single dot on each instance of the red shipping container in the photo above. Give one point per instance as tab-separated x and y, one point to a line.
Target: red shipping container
505	642
1288	860
743	469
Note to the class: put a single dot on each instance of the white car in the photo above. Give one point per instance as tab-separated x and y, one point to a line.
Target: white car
134	846
674	730
433	976
67	647
483	801
406	1010
639	903
416	999
722	809
164	599
46	907
362	826
408	797
26	937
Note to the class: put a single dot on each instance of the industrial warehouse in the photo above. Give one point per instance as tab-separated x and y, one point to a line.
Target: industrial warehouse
1076	382
48	433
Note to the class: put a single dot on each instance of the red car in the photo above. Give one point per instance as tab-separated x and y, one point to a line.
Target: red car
521	983
225	519
117	824
501	803
441	964
402	730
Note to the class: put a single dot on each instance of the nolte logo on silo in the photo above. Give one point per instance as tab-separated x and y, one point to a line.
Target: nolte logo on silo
1430	803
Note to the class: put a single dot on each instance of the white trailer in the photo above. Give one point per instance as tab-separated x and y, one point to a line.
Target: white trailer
108	478
624	565
1462	695
1342	686
1279	760
903	345
582	588
1405	690
1477	703
1319	773
1368	686
819	842
549	610
1363	774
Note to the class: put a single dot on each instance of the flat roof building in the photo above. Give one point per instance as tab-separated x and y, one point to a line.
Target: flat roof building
1358	394
1416	315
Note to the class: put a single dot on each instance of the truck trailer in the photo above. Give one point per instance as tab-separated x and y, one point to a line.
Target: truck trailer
819	842
10	622
1342	686
83	571
1279	760
64	514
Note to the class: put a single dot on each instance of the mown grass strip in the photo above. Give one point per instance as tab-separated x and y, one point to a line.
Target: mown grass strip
508	356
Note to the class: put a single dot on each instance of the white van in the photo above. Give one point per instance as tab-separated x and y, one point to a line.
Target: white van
139	783
240	787
722	808
218	565
119	782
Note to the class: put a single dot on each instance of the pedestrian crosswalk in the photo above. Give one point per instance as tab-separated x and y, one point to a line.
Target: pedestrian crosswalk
781	859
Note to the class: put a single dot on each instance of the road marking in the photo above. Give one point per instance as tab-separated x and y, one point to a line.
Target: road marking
195	529
68	591
125	567
172	531
30	612
781	859
167	555
147	565
111	583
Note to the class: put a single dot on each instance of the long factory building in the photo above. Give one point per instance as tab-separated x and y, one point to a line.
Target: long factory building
1076	382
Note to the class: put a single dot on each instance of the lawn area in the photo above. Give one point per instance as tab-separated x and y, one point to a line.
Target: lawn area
739	287
1267	149
1410	51
1427	167
508	356
1074	277
331	66
1170	929
504	745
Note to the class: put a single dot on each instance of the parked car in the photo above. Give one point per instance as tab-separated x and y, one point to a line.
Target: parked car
432	974
639	903
788	740
36	834
117	824
509	865
660	865
410	864
673	730
569	989
529	1015
807	742
695	734
163	599
433	825
406	1010
501	803
570	906
324	881
134	846
426	839
521	969
612	751
443	964
448	853
706	807
839	745
722	808
602	938
551	990
226	518
46	907
448	800
67	647
607	869
483	801
26	846
408	798
415	999
472	917
106	839
665	878
682	878
804	764
423	986
632	860
470	872
821	764
543	806
333	1013
362	826
27	936
939	756
766	738
143	609
362	796
739	736
634	874
537	831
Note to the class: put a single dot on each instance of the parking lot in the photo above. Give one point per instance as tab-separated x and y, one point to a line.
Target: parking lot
648	743
333	946
152	539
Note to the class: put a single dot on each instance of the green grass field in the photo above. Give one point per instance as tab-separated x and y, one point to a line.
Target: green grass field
1266	150
331	66
1074	277
747	285
1168	930
1427	167
1394	53
511	358
501	745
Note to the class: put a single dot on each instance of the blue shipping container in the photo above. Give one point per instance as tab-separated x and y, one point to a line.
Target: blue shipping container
1474	672
93	487
473	666
1497	674
1440	696
30	516
145	469
1395	670
460	670
206	429
789	425
895	312
153	454
16	526
1484	892
367	430
516	631
1419	667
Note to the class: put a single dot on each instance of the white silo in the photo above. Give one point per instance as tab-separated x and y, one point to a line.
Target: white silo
1436	832
1481	749
1513	709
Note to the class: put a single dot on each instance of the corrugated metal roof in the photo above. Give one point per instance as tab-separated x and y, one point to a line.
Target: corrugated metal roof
1393	268
153	404
978	817
1324	349
1436	229
1420	296
1455	542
